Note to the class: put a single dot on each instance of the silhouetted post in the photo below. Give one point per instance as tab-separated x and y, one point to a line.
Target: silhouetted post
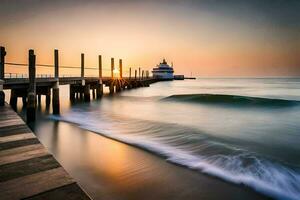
99	89
13	99
112	65
39	99
129	73
31	97
139	73
82	69
111	87
143	75
135	72
55	89
121	68
2	61
94	93
86	88
24	101
48	99
86	91
72	92
100	66
56	67
118	86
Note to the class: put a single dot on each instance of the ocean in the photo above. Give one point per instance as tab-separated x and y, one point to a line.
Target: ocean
240	131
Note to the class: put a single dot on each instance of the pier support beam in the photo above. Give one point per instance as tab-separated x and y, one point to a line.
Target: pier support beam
55	100
111	88
72	92
99	90
2	95
2	61
82	66
39	99
48	100
93	93
86	91
99	87
121	68
55	89
24	101
13	99
31	98
112	67
118	86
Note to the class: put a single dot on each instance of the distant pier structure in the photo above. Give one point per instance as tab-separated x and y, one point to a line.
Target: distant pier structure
31	87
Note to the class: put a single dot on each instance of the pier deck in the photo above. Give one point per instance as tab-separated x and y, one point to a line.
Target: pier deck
27	169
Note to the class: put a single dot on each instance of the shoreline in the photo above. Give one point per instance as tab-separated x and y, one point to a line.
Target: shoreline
186	179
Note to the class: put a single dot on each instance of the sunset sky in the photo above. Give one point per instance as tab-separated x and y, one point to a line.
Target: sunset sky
208	38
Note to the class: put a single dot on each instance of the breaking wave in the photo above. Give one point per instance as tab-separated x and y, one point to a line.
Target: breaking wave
232	100
228	163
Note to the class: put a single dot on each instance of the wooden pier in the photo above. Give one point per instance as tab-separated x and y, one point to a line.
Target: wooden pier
31	88
27	170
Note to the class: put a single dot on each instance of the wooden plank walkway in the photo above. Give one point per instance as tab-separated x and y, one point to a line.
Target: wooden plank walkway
27	170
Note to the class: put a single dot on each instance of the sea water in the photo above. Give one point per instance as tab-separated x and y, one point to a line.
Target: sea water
244	131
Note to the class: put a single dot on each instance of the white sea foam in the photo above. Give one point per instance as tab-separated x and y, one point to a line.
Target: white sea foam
272	179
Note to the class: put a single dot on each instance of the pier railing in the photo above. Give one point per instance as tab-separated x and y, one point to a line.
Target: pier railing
30	86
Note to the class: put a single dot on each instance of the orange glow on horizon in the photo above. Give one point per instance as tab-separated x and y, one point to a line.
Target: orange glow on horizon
200	42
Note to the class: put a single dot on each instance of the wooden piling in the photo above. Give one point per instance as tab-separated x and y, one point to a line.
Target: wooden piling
55	89
2	63
24	101
121	68
139	73
2	94
39	99
143	75
129	73
48	100
56	67
31	98
13	99
99	89
118	86
82	66
135	72
94	93
112	65
86	91
72	92
100	66
111	88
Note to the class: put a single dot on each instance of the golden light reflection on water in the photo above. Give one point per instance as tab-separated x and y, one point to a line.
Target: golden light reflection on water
110	160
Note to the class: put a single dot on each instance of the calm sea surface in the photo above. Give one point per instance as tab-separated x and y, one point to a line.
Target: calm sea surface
243	131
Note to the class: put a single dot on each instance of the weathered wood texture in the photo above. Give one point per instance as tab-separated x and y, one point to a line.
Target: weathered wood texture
27	170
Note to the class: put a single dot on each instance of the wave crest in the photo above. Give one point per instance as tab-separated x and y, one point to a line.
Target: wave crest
232	100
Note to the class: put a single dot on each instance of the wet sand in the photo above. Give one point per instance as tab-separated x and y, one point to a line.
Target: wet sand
108	169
